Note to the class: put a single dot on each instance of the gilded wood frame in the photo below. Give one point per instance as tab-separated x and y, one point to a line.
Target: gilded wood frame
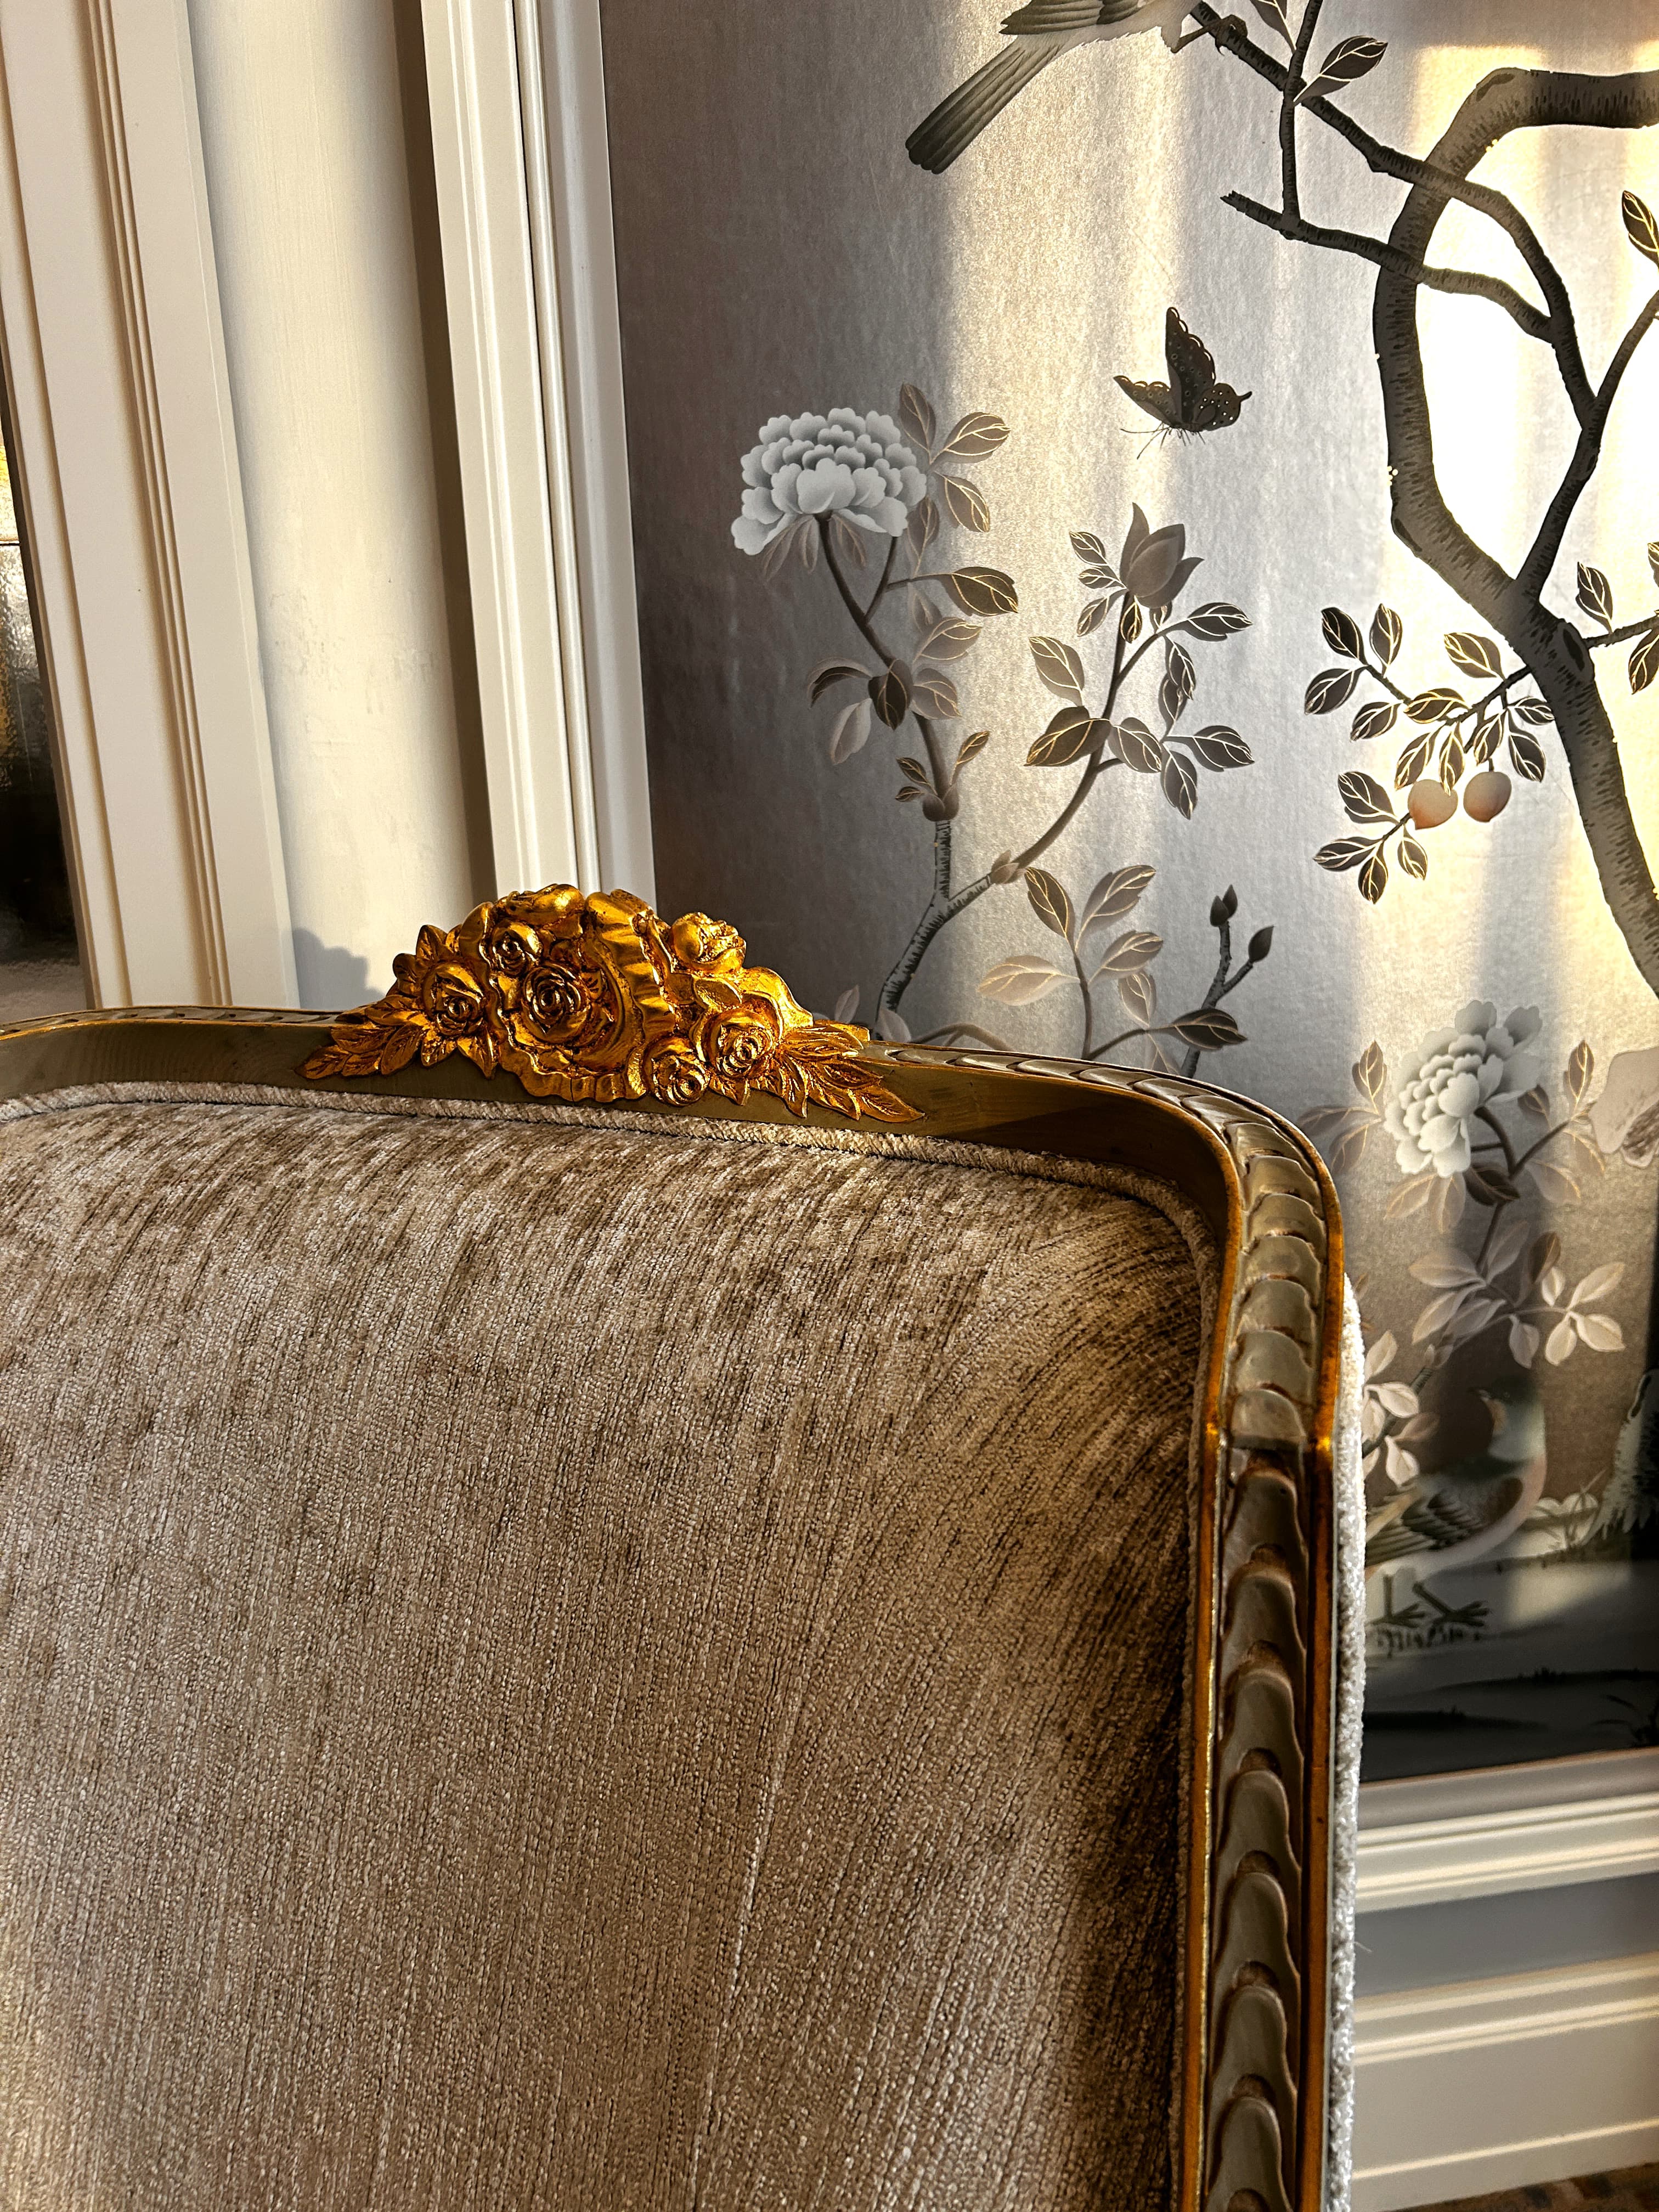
1254	2012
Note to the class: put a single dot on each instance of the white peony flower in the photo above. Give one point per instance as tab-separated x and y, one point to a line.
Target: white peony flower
857	466
1455	1072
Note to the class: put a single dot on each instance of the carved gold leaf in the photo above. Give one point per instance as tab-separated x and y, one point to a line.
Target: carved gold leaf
600	999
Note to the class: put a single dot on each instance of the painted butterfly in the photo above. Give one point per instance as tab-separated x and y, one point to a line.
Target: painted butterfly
1192	402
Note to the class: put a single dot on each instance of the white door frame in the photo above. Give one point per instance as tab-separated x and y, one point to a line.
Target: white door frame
131	504
519	151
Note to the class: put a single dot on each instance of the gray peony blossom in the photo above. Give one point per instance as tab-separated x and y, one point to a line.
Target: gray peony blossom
1458	1072
857	466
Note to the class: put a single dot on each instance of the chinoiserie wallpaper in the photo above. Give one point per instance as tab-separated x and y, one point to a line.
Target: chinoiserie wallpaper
1155	554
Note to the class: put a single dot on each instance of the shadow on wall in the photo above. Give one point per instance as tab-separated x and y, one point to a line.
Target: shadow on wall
330	975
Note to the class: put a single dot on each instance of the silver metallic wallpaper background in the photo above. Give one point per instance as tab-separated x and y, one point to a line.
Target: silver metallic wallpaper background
780	256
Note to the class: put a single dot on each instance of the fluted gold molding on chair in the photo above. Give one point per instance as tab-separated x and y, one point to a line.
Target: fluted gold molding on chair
599	1000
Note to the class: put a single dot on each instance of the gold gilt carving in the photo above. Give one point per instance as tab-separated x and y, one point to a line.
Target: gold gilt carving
600	999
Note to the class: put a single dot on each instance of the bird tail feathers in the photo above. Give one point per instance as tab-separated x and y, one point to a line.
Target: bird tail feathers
957	120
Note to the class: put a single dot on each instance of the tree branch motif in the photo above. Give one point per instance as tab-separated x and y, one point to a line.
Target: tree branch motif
1549	647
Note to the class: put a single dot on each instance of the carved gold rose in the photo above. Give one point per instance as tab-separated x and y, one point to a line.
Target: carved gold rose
599	998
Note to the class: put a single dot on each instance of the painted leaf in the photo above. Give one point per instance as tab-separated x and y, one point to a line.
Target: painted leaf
1452	761
1343	853
1180	784
1639	226
1348	60
1523	1343
1118	892
1215	619
1413	759
1600	1282
1535	712
1363	799
1342	634
1562	1339
1211	1029
1448	1270
965	503
1088	547
1412	1195
828	672
889	692
1594	594
1526	755
917	416
948	640
1413	859
1386	632
1581	1066
851	733
1370	1072
1218	747
1375	721
974	437
782	547
1438	1313
847	1006
1138	746
983	591
969	749
1475	655
1449	1200
1067	737
1128	623
1644	660
1022	981
935	694
1100	575
1133	950
1379	1356
1434	704
1374	878
1178	667
1556	1184
1508	1241
1601	1332
1092	616
1059	667
849	543
922	528
1139	993
913	768
1271	13
1552	1283
892	1025
1048	902
1331	688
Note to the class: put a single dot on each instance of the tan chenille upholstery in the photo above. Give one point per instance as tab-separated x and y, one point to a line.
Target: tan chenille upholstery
560	1659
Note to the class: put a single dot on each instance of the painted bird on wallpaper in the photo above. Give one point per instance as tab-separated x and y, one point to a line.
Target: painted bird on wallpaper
1192	402
1460	1513
1039	32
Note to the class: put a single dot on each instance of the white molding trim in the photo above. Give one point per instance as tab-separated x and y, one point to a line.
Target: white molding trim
1491	2085
538	421
573	243
1531	1847
132	505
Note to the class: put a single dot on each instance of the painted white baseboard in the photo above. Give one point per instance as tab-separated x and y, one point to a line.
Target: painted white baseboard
1490	2085
1529	1847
